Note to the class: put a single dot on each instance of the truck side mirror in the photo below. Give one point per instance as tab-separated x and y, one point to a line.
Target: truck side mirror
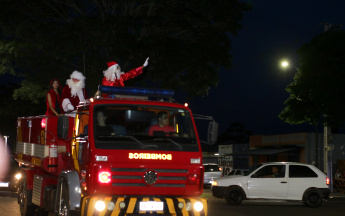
62	129
212	133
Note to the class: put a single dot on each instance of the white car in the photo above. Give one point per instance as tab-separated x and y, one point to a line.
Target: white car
276	180
211	171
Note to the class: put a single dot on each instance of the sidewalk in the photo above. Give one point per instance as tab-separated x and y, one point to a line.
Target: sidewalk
336	194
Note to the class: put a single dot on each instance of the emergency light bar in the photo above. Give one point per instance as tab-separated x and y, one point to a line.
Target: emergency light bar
167	93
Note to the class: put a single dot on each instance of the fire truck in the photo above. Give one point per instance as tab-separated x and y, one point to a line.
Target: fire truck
112	157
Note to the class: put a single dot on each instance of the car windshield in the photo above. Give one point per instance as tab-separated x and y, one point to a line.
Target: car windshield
211	168
247	173
143	127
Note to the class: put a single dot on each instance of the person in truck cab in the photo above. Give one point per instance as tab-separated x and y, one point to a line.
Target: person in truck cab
162	125
102	128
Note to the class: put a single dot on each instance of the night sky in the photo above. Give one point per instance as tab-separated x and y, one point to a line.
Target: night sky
253	91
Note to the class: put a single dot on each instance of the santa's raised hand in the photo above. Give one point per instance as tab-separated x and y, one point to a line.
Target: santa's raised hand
146	62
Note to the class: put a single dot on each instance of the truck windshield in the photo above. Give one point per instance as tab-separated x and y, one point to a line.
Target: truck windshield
143	127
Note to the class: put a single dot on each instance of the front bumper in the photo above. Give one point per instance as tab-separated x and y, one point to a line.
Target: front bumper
218	191
132	206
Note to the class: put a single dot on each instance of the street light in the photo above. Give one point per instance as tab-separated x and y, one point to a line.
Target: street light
285	64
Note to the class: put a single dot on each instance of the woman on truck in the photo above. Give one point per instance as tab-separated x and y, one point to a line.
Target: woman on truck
54	99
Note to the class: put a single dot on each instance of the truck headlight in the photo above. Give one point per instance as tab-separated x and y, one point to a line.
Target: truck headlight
100	205
198	206
214	183
18	176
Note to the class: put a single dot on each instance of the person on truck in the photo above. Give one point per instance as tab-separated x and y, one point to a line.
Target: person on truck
73	92
114	77
162	125
53	99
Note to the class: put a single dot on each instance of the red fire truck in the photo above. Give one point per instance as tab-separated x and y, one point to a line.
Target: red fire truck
112	157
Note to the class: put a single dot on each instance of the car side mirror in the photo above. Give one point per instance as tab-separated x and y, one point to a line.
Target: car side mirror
212	133
62	129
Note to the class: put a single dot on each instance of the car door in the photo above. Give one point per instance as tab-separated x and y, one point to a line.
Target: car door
301	177
264	183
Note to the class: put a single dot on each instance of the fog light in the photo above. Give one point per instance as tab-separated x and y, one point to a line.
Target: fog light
180	205
18	176
214	183
100	206
189	206
122	205
198	206
111	206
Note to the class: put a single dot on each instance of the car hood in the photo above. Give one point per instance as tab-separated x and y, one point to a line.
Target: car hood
231	180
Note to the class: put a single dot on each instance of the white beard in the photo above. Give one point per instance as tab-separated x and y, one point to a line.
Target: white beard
75	87
113	73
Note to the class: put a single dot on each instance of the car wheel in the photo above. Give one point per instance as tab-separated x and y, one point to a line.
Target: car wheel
313	198
25	208
234	196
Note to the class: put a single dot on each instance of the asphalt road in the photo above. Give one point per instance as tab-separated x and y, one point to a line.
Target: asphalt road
333	207
216	206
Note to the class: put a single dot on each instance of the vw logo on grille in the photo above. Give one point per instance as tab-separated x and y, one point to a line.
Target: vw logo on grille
150	177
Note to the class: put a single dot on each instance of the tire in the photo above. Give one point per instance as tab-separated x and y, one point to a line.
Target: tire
63	201
23	196
313	198
234	196
41	212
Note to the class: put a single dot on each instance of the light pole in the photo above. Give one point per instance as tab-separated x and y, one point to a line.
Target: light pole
286	64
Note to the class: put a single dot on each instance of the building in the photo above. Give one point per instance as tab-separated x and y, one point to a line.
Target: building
295	147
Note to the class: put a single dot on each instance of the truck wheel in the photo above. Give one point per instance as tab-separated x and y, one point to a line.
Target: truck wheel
313	198
41	212
25	208
63	202
234	196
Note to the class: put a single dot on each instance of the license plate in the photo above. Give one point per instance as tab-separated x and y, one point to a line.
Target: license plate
3	184
151	206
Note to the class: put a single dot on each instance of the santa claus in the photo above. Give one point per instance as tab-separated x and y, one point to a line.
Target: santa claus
73	92
114	77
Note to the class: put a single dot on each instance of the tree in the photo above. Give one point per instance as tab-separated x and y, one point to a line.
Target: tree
11	109
319	85
187	41
235	134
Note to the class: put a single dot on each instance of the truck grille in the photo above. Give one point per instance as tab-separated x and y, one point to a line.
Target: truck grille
165	177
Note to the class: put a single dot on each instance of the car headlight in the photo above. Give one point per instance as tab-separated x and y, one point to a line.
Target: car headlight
18	176
214	183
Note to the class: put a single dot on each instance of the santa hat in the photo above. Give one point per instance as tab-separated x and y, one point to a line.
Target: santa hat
78	75
111	64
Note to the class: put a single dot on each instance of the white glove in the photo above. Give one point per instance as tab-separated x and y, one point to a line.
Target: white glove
146	62
70	107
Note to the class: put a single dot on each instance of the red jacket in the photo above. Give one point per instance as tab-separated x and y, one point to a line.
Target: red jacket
53	96
126	76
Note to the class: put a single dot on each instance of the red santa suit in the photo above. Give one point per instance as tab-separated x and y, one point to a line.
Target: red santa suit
126	76
72	94
114	77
